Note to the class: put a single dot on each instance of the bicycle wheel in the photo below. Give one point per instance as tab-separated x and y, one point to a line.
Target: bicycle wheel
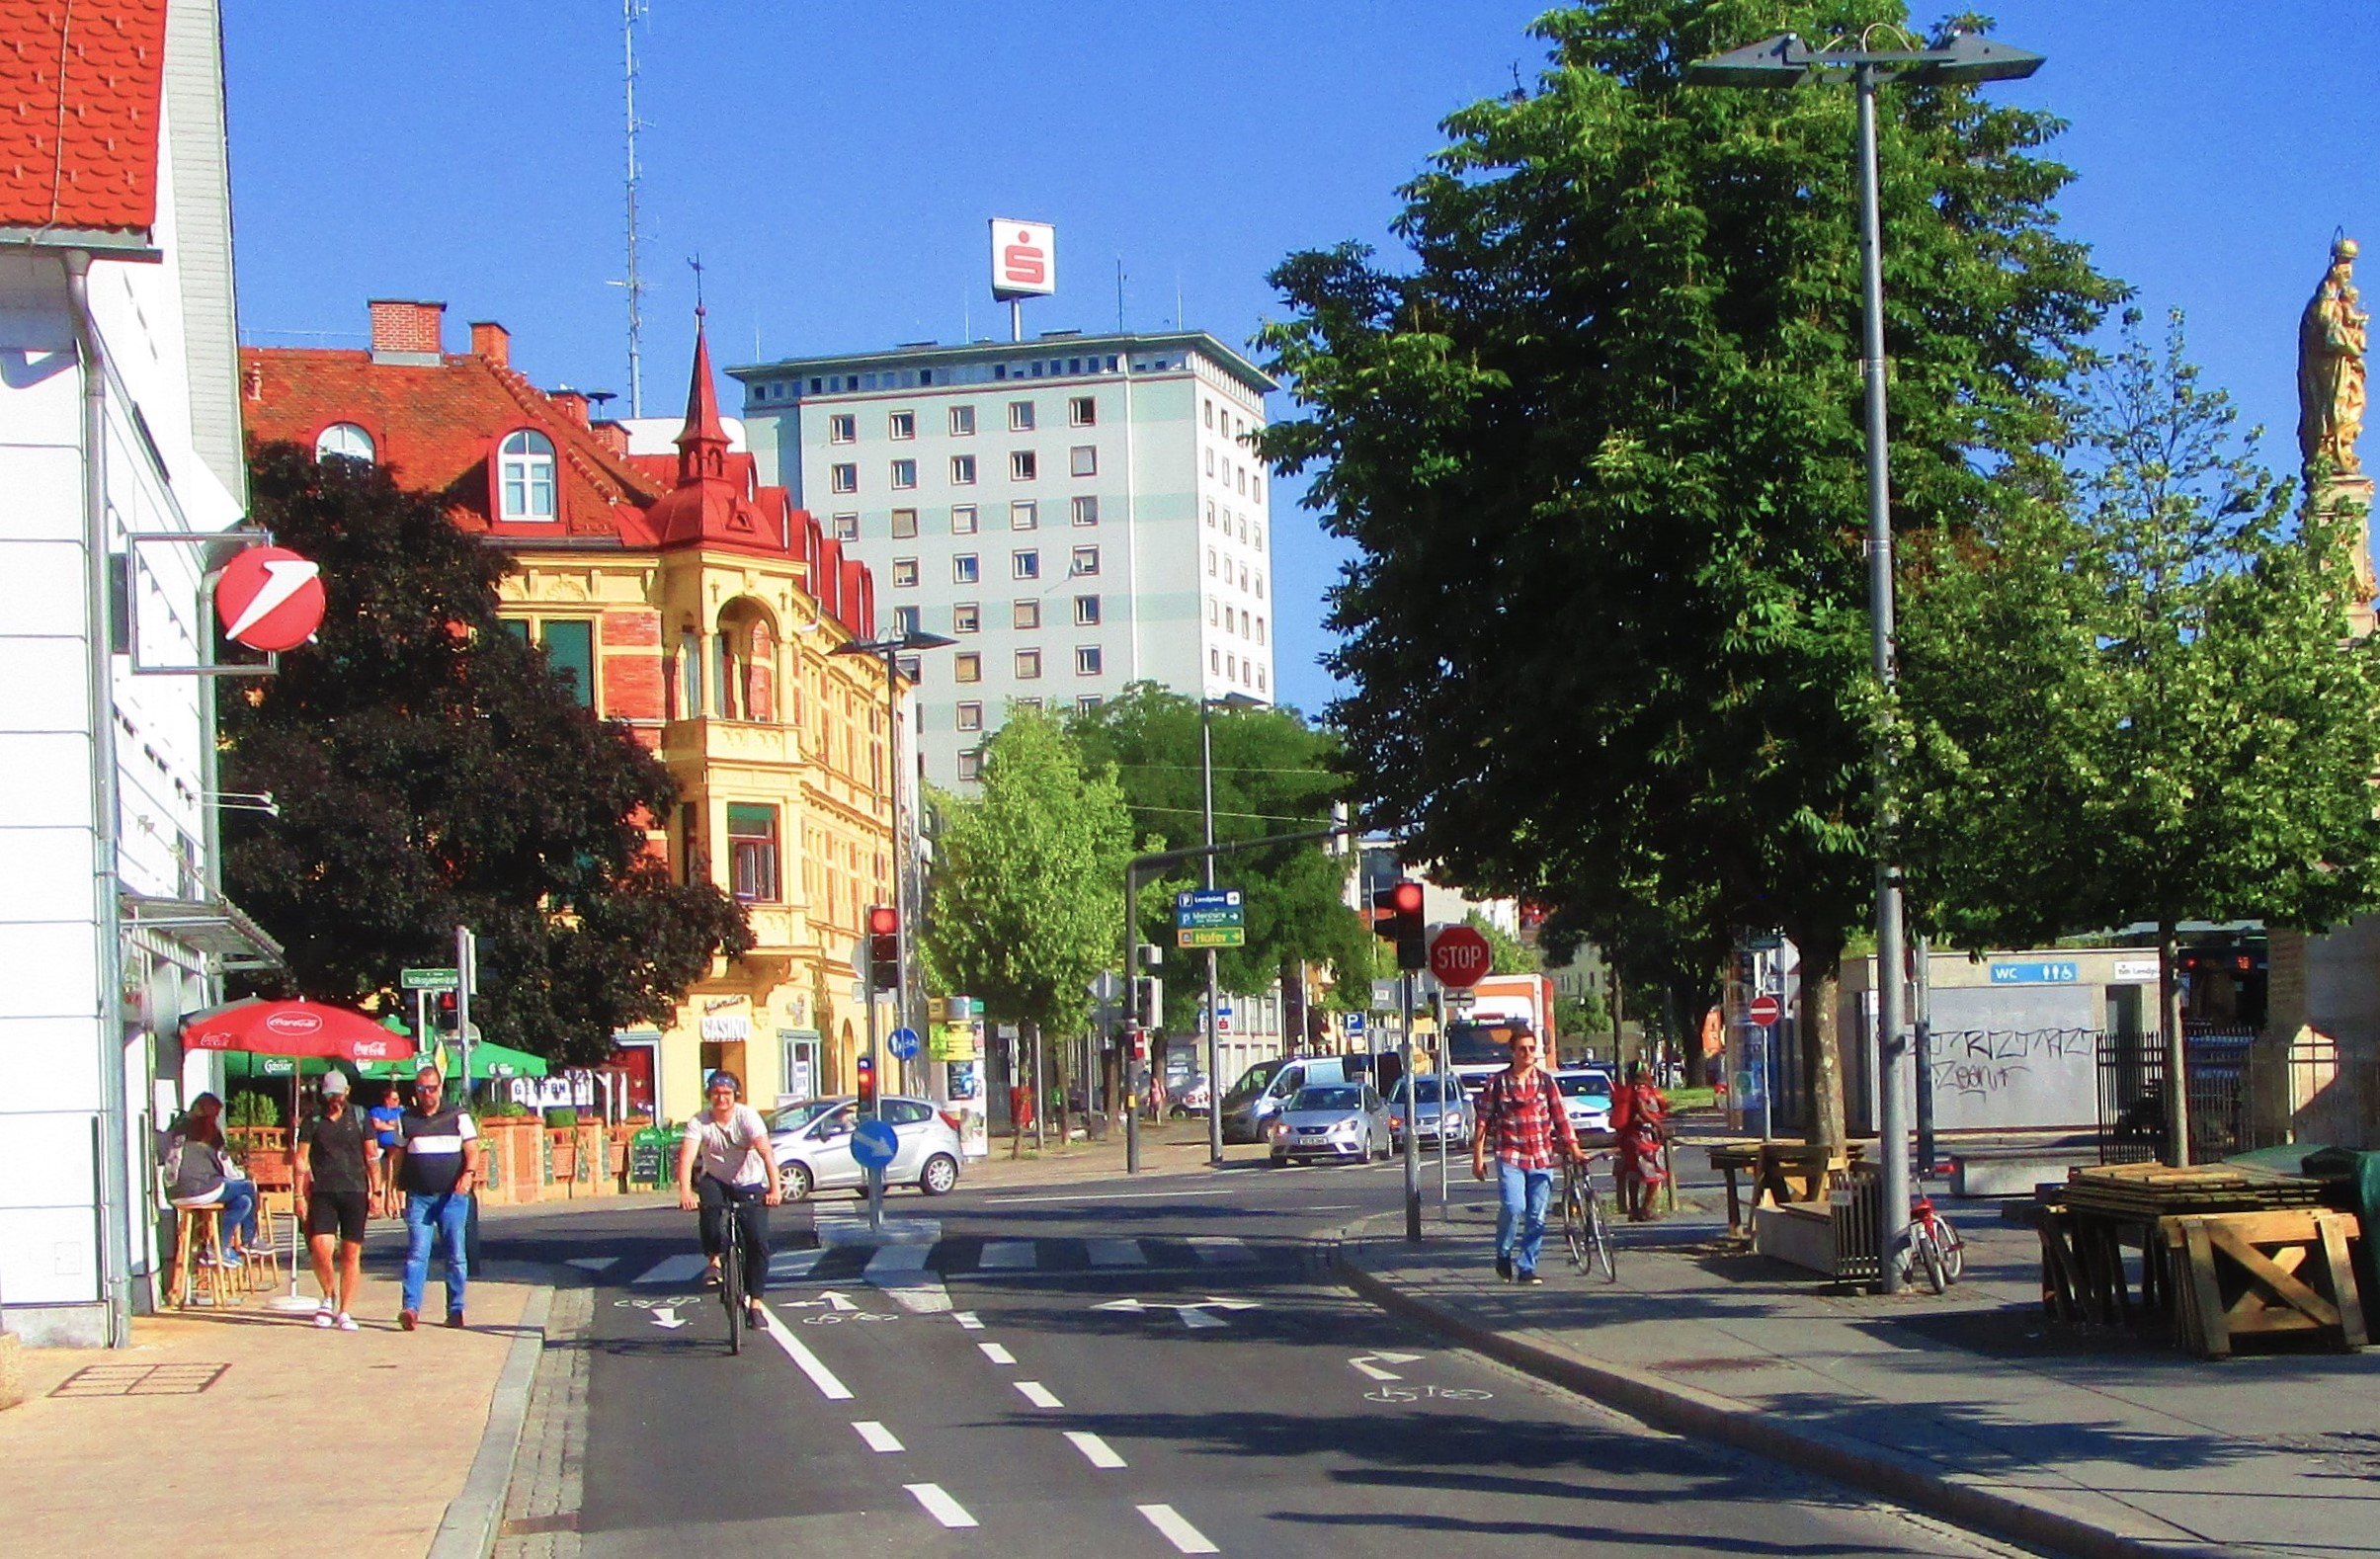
731	1288
1929	1258
1599	1228
1574	1226
1953	1249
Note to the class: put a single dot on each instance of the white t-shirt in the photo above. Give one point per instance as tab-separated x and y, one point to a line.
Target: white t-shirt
725	1152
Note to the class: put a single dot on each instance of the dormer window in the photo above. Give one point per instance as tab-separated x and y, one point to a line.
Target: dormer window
525	477
344	440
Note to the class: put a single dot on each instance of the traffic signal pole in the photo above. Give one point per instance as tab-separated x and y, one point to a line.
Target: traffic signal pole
1413	1121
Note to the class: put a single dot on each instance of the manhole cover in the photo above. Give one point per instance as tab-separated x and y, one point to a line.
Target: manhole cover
140	1380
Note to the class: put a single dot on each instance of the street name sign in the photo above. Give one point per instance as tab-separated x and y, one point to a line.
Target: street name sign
430	979
1460	958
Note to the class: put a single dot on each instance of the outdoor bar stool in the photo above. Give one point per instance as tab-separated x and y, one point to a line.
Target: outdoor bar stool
272	1207
198	1269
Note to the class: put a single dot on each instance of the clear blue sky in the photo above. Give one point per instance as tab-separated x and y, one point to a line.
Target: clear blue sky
834	166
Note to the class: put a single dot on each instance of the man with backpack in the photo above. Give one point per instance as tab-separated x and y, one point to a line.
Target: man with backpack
1521	1116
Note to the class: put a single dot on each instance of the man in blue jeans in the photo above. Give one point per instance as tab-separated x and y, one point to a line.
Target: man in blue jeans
1521	1116
437	1167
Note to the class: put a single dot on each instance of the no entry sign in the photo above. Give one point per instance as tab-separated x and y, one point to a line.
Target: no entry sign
1765	1011
1460	958
270	598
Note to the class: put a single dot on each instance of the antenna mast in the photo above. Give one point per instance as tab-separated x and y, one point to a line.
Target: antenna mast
630	13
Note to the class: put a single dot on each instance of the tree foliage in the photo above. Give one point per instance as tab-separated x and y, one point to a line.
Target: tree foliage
431	771
1596	440
1506	954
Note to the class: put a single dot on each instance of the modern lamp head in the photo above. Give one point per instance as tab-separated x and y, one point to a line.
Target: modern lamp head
1785	61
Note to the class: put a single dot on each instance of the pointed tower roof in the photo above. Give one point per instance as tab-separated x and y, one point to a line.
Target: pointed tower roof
702	431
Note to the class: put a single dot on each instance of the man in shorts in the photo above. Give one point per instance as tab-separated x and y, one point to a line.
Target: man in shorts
335	1150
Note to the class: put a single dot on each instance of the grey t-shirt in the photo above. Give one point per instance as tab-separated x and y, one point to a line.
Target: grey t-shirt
725	1152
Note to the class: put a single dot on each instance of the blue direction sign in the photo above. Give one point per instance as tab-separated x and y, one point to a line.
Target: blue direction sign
1354	1023
1202	907
903	1043
2055	971
874	1144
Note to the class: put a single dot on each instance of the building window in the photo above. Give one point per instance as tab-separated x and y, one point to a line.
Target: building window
1023	465
1025	614
912	668
970	766
966	617
963	471
967	668
1260	586
844	478
1210	562
569	645
1239	476
901	425
1259	679
1257	532
1206	410
752	843
1082	411
525	471
1088	661
970	717
1256	487
1259	629
962	520
1213	612
904	473
842	427
1086	510
1086	560
344	440
1025	565
904	573
962	422
904	623
1231	666
1088	703
963	569
904	524
1210	514
1023	515
1083	461
1021	416
1028	665
1214	660
690	676
1210	462
1086	612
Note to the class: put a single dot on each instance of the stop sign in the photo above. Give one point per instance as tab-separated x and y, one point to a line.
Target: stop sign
270	598
1460	958
1765	1011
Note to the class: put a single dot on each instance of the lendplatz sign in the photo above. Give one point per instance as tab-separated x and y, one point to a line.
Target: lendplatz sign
1210	917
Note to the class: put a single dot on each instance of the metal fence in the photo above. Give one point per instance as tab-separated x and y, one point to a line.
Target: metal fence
2219	1094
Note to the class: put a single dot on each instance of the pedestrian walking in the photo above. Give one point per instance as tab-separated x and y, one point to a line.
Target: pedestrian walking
384	1117
435	1166
1520	1119
334	1185
1640	1124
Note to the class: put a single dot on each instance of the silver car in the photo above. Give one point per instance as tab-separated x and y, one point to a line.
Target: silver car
812	1143
1586	1099
1341	1121
1434	1120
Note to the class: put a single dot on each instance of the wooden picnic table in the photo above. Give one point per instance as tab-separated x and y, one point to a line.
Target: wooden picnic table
1772	1167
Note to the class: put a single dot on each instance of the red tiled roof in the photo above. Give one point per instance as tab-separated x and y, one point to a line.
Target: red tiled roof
82	81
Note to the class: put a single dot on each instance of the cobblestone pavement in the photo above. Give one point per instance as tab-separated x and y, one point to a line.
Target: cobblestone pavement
541	1504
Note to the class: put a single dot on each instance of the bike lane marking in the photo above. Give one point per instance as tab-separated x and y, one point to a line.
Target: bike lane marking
809	1363
878	1438
1180	1533
944	1508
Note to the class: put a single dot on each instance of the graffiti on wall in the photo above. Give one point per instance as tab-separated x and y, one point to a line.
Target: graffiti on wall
1979	1063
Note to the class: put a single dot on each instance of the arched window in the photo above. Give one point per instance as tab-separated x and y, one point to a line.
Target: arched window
525	477
347	442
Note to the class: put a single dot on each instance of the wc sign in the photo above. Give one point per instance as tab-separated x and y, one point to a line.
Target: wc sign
1024	258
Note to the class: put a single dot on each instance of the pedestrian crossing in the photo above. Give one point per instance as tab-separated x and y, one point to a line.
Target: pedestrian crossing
921	1265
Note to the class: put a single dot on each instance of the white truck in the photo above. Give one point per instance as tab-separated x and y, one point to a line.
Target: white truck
1479	1040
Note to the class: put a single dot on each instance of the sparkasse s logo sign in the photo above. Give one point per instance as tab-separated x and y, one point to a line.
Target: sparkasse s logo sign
1024	258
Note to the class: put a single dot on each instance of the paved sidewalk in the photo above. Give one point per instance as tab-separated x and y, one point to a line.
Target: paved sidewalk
1970	1406
246	1431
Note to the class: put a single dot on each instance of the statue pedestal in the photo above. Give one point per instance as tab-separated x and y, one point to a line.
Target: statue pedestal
2337	493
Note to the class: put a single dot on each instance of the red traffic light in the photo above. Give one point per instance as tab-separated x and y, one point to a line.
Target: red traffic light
1406	898
883	921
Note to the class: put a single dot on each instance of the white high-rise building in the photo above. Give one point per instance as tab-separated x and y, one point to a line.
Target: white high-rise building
1079	512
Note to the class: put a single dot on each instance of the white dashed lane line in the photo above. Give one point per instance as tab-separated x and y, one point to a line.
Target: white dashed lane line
878	1438
997	1353
1039	1395
1095	1449
808	1362
966	1320
950	1512
1180	1533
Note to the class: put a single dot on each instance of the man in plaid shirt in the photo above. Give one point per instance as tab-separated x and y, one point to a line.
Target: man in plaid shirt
1521	1112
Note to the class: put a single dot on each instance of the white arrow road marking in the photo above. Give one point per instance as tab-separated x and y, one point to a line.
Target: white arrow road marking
1193	1312
808	1362
942	1507
997	1353
1095	1449
283	577
966	1320
1195	1316
1039	1395
1134	1306
835	1301
1180	1533
878	1438
666	1317
1369	1363
594	1263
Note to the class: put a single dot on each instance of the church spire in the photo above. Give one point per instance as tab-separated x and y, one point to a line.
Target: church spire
702	442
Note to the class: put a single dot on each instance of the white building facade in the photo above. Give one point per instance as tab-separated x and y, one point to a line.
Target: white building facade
1079	512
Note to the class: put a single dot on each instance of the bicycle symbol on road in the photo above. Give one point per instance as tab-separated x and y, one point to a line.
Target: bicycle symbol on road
1417	1393
837	1317
677	1302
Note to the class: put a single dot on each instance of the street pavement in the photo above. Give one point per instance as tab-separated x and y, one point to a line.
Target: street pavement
1163	1367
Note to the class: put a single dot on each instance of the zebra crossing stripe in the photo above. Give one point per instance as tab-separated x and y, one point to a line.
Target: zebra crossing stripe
1008	1256
1221	1250
675	1270
1117	1253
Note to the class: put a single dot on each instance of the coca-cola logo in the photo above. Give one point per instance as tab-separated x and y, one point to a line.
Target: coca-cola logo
374	1050
293	1023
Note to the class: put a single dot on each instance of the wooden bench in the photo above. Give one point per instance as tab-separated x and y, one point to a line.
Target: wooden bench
1773	1167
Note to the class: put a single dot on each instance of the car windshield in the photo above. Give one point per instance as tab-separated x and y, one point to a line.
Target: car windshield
1586	1085
1424	1089
1470	1043
1328	1098
795	1116
1252	1082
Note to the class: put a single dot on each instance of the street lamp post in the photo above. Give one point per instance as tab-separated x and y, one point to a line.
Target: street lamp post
1207	812
1786	61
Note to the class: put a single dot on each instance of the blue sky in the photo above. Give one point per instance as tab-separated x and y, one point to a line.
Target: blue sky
834	166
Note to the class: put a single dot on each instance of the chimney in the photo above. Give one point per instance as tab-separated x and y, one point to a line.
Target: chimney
493	342
407	331
614	438
573	403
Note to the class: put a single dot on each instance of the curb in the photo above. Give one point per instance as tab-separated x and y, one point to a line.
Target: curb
468	1530
1685	1411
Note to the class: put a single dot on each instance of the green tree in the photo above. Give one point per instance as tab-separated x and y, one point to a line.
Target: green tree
431	771
1597	441
2138	699
1028	881
1506	956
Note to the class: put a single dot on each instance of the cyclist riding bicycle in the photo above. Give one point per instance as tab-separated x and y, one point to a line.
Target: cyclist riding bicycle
729	1145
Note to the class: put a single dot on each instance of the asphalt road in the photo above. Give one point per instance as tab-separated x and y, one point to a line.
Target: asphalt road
1020	1373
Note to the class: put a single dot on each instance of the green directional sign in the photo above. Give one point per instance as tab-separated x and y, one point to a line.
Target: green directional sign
1212	936
431	980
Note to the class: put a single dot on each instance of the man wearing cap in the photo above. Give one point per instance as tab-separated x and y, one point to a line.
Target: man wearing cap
334	1187
437	1163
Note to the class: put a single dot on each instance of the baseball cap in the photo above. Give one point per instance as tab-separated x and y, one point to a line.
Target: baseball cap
334	1082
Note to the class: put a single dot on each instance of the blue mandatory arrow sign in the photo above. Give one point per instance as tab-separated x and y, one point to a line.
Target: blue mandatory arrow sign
902	1043
874	1144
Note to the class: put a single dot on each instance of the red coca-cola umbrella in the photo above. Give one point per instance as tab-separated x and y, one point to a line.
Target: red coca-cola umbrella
299	1029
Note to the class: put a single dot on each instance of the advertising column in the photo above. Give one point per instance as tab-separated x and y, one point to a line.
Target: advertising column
954	1075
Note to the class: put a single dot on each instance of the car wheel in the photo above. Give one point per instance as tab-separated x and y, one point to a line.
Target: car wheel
939	1174
793	1182
1277	1160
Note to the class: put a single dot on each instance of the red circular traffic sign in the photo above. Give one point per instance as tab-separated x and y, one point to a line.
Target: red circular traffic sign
270	598
1765	1011
1460	958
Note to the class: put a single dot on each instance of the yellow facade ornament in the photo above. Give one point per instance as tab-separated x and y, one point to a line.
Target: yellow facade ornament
2332	336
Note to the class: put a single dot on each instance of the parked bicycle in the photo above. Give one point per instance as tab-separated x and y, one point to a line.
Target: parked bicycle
1586	1227
1934	1247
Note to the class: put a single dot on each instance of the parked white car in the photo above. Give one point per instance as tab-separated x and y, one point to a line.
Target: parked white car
1586	1098
812	1144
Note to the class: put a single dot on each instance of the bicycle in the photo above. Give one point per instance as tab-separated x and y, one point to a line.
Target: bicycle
1934	1247
731	1284
1585	1229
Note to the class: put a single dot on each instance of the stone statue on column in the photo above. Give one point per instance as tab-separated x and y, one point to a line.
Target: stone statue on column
2331	341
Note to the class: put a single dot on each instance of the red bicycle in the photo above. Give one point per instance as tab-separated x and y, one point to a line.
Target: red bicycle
1934	1248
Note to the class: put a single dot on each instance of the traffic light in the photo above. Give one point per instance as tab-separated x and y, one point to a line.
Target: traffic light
1397	918
867	1067
444	1012
883	947
1148	1002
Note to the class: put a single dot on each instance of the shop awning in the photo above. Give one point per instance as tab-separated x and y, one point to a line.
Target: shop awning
215	928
